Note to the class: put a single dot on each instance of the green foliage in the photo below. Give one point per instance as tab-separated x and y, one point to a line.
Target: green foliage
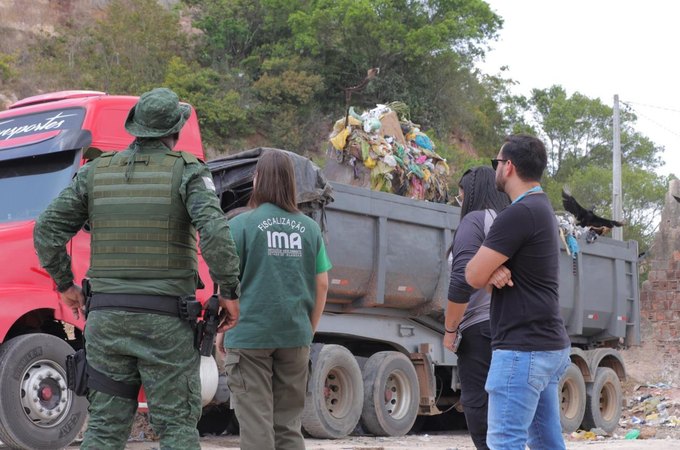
424	50
49	63
287	91
577	130
488	124
276	72
463	162
572	125
449	98
220	103
281	83
643	194
7	71
130	48
285	130
643	197
278	64
458	160
578	134
240	31
126	51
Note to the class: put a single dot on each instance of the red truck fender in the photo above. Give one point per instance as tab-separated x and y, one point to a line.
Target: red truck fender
19	301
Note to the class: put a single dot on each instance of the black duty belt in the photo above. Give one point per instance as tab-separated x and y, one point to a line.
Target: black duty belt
186	308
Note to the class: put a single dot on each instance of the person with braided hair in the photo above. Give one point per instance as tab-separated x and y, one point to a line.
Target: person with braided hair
467	312
530	346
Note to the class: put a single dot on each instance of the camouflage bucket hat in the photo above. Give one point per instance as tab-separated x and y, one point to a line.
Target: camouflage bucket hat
158	113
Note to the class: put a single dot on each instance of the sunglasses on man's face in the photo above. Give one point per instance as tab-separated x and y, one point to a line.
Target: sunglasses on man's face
495	161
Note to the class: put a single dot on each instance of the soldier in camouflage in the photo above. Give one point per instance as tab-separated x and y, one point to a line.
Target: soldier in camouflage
144	206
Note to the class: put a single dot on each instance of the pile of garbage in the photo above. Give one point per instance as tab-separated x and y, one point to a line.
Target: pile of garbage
651	412
383	150
570	233
654	413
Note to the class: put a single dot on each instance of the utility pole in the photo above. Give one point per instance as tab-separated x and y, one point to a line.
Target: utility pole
617	203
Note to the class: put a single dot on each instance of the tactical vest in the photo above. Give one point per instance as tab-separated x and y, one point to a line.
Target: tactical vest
140	228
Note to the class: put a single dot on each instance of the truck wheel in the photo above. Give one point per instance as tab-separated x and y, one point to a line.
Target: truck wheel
216	420
38	411
335	394
603	401
391	394
572	391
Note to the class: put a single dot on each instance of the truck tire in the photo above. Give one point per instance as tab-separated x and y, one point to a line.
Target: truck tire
38	411
217	419
391	394
334	394
572	391
603	401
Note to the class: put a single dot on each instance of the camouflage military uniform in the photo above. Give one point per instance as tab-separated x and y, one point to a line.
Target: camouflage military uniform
156	350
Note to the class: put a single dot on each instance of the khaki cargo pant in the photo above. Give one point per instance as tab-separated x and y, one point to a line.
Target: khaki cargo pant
268	389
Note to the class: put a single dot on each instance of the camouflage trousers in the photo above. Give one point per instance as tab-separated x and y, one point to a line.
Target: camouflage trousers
153	349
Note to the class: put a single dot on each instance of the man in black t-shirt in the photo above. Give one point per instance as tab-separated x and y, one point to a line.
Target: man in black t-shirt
531	348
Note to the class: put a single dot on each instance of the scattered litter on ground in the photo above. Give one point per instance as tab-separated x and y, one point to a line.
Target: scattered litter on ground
651	411
633	434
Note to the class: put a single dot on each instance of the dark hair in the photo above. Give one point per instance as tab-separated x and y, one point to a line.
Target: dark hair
527	154
479	191
275	181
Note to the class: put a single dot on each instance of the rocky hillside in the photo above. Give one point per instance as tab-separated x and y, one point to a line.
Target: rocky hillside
20	24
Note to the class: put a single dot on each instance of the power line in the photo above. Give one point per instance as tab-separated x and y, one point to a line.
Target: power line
652	106
675	133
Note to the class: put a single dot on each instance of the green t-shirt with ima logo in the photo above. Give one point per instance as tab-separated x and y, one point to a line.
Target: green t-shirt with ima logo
281	253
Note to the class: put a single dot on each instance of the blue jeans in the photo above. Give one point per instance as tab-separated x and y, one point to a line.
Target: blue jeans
524	405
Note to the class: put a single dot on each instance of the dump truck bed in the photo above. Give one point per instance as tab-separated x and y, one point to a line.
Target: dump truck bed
389	256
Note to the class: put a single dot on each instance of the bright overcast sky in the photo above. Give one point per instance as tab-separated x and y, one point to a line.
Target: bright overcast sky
598	48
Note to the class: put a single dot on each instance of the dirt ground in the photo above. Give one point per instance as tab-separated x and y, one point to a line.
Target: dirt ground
455	440
652	381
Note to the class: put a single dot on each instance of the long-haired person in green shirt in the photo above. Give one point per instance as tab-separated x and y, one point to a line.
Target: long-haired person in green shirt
284	282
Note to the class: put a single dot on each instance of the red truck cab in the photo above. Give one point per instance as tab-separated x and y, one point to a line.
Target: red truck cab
43	141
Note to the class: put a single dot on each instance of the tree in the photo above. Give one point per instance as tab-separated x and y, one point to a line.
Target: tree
125	51
409	40
424	49
288	109
571	126
240	33
577	132
7	71
643	194
221	101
